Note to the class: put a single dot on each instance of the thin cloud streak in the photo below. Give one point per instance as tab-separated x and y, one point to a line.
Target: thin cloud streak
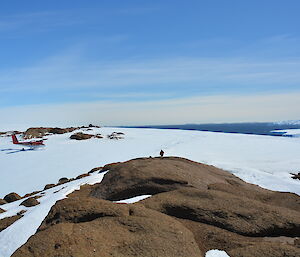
71	72
209	109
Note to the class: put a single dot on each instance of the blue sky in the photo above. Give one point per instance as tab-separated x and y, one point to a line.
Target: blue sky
127	58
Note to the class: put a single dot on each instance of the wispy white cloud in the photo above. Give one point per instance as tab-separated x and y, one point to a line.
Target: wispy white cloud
220	108
70	71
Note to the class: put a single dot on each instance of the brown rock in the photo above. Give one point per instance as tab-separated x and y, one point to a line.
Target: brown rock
12	197
48	186
108	166
63	180
30	194
1	210
81	136
2	201
94	170
265	250
156	175
94	227
6	222
233	213
41	131
30	202
82	176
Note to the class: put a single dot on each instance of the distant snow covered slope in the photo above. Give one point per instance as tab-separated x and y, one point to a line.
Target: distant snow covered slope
288	122
262	160
289	132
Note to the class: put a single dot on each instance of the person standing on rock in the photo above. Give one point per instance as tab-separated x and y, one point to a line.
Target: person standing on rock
161	153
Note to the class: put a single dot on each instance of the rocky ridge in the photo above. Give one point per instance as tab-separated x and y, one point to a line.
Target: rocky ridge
193	208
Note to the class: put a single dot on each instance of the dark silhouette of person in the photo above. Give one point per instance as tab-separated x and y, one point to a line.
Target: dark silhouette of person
161	153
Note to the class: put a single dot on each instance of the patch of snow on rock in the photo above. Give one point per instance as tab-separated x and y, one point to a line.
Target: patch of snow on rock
216	253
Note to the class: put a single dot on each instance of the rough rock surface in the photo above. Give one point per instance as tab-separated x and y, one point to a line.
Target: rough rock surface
12	197
2	201
6	222
194	208
156	175
41	131
231	212
31	201
1	210
81	136
94	227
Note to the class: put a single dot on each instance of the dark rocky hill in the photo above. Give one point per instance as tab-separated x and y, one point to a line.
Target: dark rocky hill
193	208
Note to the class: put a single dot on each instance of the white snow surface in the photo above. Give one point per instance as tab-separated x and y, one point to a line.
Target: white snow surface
216	253
262	160
18	233
289	132
134	199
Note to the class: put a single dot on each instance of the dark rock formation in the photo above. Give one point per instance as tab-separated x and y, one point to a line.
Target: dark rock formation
194	208
48	186
2	201
82	176
29	202
94	227
6	222
63	180
156	175
40	132
81	136
12	197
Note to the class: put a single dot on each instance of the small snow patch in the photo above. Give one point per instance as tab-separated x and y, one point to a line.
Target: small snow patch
216	253
134	199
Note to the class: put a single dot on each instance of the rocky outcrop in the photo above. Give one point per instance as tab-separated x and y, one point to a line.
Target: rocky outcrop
157	175
193	208
41	131
29	202
227	211
6	222
81	136
94	227
12	197
2	201
48	186
1	210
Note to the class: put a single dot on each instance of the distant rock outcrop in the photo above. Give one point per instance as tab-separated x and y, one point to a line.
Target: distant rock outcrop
29	202
193	208
41	131
12	197
81	136
2	201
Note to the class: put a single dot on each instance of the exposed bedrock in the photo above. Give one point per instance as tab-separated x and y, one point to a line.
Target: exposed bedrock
194	208
94	227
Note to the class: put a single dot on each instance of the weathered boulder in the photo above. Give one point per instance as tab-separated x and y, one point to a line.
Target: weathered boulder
48	186
231	212
12	197
156	175
29	202
94	170
63	180
82	176
6	222
42	131
1	210
94	227
2	201
194	208
81	136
